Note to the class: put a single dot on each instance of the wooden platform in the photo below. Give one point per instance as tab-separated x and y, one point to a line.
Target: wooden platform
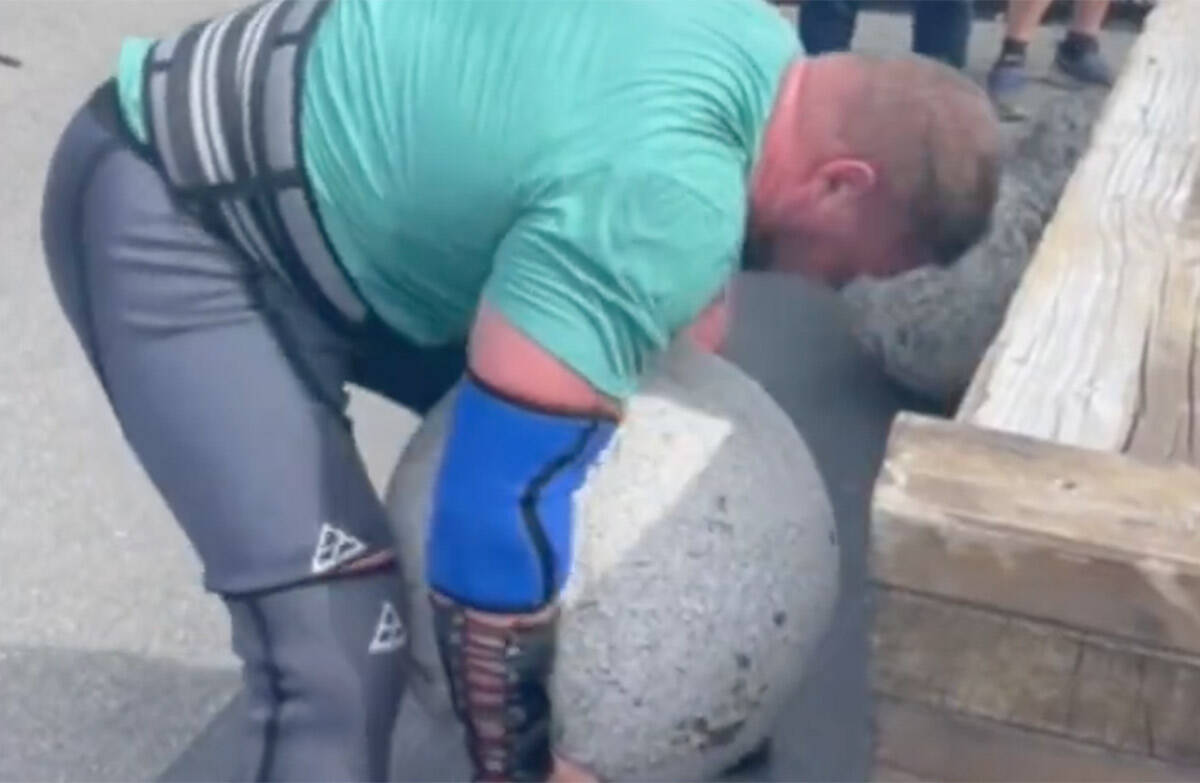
1038	559
1035	588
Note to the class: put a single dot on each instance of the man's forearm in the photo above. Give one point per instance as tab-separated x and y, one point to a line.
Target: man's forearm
524	430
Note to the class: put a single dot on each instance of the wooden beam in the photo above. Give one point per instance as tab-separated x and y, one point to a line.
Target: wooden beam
1100	707
1099	342
1093	540
885	774
948	747
1039	561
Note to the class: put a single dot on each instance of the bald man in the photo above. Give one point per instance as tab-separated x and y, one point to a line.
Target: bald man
528	200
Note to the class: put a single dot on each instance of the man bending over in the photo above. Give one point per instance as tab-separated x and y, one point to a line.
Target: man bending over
528	199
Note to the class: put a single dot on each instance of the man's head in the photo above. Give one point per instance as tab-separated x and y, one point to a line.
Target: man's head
874	166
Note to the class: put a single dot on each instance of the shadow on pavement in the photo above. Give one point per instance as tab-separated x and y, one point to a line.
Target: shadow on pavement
100	716
795	340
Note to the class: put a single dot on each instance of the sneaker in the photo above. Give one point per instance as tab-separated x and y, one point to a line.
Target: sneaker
1006	85
1088	66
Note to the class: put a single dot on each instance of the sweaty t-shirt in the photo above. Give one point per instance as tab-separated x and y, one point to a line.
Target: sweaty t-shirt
582	165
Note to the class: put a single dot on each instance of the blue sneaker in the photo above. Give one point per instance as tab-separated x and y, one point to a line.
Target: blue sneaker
1086	65
1006	86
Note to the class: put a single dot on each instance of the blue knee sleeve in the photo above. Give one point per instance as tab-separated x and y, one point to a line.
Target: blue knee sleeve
500	536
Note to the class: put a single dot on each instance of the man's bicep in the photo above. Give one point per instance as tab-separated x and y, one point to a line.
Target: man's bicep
549	294
517	366
711	328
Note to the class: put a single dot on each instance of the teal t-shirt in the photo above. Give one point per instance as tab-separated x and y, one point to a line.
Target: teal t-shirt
580	164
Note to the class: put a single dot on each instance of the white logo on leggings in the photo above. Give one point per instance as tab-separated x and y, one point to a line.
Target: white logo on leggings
334	547
389	631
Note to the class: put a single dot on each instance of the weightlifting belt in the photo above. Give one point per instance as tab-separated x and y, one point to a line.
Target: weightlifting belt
222	103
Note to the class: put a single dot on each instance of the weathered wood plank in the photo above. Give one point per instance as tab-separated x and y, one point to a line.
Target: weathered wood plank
917	743
1098	344
885	774
1040	611
1090	539
988	666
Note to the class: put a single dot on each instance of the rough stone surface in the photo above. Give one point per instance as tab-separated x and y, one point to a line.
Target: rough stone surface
706	573
931	327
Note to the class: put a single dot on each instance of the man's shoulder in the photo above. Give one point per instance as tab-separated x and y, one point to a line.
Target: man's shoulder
681	179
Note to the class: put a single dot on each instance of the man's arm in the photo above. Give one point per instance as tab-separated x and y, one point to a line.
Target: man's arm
711	328
500	544
584	289
516	379
501	356
504	358
523	432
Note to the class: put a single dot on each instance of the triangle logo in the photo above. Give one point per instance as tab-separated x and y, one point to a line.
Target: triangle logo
334	547
389	631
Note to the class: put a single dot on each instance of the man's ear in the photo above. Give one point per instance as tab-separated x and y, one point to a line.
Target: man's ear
847	178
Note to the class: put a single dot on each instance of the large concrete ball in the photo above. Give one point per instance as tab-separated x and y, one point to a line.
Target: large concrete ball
930	327
706	571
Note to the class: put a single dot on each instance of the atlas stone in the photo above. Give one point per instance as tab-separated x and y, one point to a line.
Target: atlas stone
706	572
931	327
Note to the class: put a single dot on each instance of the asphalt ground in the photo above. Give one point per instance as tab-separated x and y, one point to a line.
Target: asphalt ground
114	665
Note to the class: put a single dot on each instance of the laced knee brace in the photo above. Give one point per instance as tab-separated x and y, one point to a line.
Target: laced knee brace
499	552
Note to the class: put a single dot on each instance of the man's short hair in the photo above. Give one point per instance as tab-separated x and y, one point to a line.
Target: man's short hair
935	139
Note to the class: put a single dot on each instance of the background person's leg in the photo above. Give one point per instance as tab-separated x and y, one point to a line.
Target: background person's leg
1078	54
827	25
942	30
1088	16
1007	78
1023	17
230	393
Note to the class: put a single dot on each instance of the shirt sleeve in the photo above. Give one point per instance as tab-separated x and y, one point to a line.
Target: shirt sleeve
130	64
603	273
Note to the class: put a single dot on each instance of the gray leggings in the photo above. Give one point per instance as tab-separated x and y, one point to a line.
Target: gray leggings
231	391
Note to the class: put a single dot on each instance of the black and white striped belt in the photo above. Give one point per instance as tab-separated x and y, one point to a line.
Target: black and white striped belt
221	101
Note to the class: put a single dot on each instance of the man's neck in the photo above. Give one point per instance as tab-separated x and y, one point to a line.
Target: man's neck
778	148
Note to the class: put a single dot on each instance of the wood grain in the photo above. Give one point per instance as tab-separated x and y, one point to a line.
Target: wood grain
1035	677
1098	346
1039	560
917	743
885	774
1098	541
